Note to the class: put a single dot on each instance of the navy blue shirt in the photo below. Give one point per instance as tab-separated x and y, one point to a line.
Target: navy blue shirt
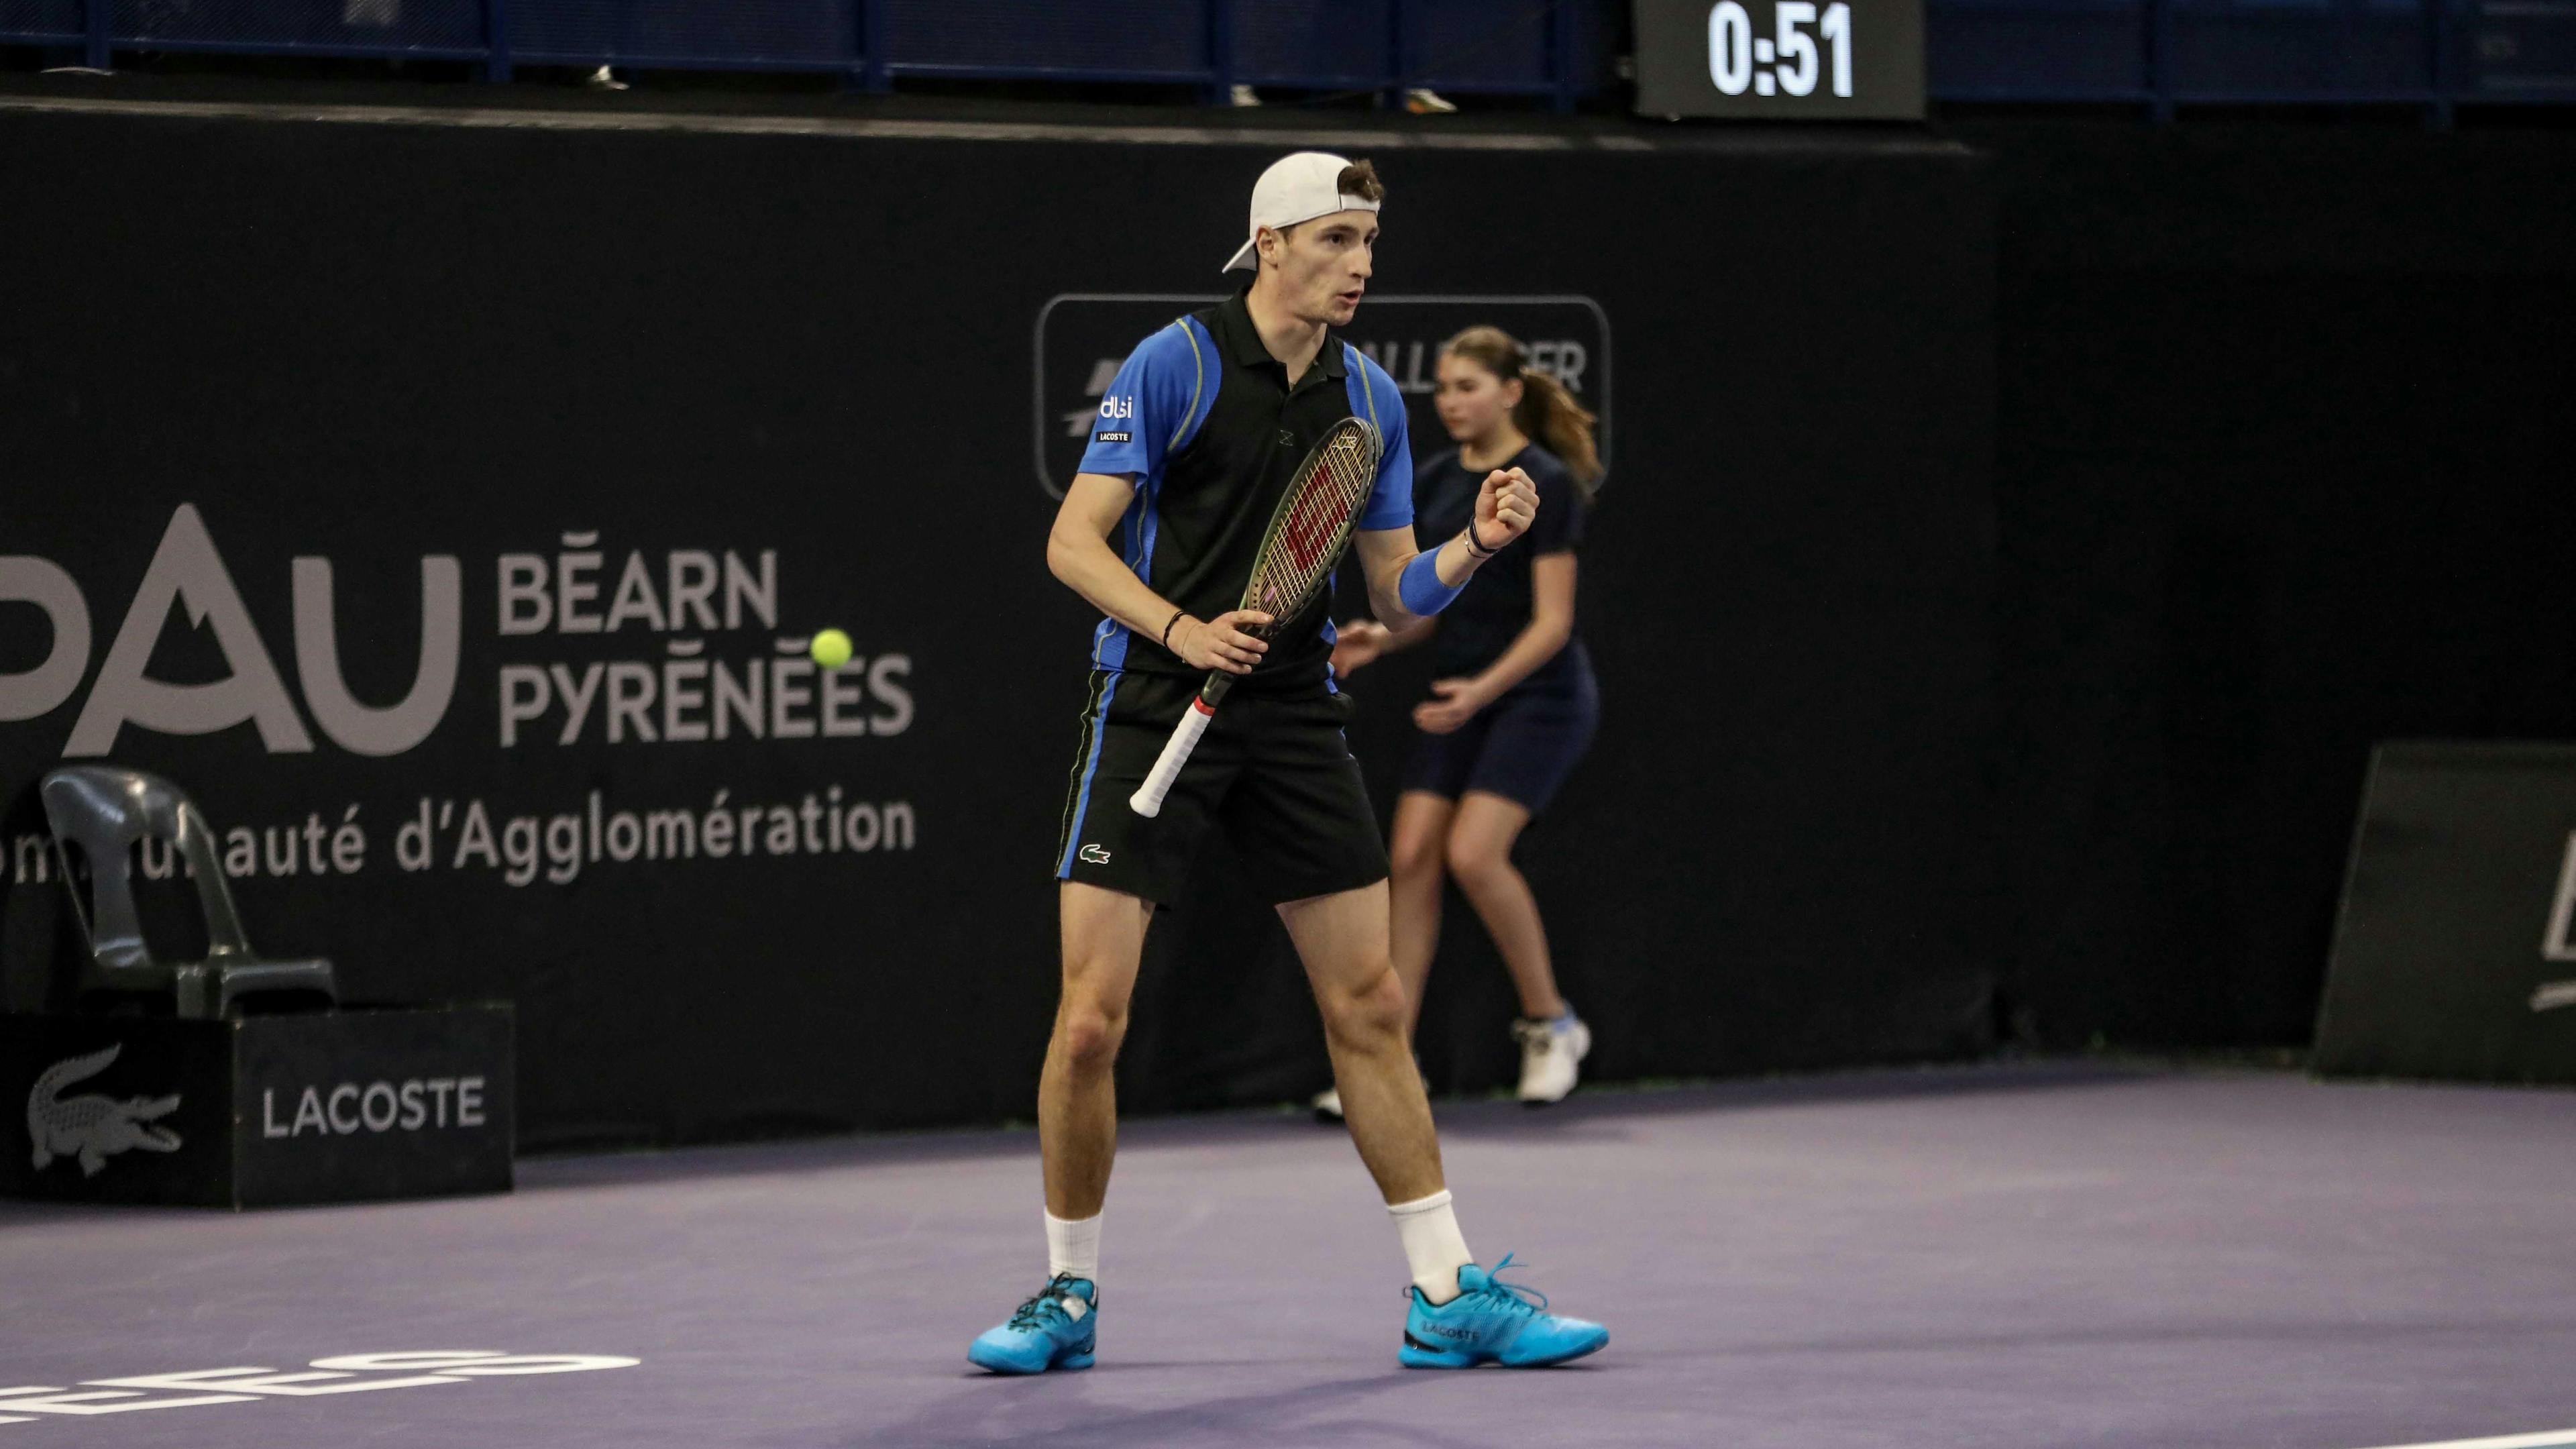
1495	606
1206	426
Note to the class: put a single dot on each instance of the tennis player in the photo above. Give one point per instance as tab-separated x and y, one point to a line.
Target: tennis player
1192	450
1514	704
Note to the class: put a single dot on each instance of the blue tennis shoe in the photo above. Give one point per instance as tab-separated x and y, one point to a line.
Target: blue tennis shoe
1491	1321
1056	1329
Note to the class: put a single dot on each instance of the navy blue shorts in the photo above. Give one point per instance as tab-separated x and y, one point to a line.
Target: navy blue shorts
1521	747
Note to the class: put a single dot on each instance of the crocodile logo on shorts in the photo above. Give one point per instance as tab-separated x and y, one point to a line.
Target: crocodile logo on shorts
93	1128
1095	855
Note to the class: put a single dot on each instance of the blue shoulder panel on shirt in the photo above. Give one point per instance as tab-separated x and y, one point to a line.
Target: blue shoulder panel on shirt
1153	408
1375	396
1155	403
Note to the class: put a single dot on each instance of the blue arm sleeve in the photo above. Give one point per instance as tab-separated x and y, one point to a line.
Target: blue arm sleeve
1376	397
1420	588
1151	406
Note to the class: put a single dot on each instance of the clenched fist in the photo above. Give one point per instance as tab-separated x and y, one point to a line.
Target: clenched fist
1506	504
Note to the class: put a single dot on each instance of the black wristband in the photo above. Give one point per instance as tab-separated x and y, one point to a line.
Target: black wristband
1166	640
1476	542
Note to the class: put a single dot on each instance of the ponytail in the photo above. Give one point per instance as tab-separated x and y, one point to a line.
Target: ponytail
1563	426
1547	412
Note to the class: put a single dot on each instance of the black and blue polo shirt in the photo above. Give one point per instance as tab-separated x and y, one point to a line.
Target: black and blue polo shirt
1203	420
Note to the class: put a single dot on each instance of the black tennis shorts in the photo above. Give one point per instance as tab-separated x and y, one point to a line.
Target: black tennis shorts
1272	770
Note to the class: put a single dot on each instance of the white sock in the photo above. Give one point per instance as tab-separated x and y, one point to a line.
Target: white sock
1074	1247
1433	1246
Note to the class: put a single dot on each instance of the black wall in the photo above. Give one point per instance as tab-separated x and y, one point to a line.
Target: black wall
376	344
2283	468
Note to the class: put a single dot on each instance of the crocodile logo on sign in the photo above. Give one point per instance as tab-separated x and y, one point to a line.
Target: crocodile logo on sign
92	1128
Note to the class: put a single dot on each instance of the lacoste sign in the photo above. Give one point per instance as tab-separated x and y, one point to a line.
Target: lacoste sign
89	1129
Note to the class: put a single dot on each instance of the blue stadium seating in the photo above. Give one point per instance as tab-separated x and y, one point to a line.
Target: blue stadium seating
2156	53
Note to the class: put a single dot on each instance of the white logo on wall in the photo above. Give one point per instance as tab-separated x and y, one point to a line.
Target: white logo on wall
1083	337
345	1374
666	606
348	1108
187	572
89	1129
2556	945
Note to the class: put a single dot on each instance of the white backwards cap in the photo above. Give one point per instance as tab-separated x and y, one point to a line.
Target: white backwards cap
1297	187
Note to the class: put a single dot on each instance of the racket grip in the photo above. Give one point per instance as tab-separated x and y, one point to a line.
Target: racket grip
1148	799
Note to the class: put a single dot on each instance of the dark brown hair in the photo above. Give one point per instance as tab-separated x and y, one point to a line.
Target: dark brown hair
1357	179
1547	412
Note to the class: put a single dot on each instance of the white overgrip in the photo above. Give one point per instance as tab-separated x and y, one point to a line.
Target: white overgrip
1148	799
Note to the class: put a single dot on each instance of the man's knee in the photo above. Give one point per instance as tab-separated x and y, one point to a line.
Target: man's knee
1373	1008
1088	1031
1103	936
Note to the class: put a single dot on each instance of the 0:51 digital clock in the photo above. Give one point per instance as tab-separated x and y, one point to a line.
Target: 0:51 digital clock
1784	62
1780	60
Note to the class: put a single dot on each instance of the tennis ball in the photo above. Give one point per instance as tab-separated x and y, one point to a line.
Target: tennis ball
831	648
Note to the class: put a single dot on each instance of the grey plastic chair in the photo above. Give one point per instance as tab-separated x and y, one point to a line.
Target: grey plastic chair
106	811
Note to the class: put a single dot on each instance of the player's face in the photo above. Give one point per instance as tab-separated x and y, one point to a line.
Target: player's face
1472	401
1324	266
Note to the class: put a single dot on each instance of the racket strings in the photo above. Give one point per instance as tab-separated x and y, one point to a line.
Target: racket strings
1307	542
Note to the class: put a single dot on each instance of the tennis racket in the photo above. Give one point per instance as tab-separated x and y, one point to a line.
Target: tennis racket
1307	534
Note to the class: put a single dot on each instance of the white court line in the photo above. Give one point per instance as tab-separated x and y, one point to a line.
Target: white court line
2551	1440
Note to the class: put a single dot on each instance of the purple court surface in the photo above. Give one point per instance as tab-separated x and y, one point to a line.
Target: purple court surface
2028	1256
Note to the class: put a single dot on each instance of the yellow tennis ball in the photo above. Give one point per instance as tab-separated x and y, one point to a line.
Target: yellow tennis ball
831	648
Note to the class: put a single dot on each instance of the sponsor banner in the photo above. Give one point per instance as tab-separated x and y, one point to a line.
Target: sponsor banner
582	645
453	754
370	1104
2455	953
259	1111
461	563
1082	337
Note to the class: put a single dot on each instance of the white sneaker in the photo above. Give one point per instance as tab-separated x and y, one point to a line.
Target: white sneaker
1244	97
1550	1052
1422	102
604	79
1328	1102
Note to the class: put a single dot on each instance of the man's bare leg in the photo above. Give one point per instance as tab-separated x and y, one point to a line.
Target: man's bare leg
1103	935
1343	941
